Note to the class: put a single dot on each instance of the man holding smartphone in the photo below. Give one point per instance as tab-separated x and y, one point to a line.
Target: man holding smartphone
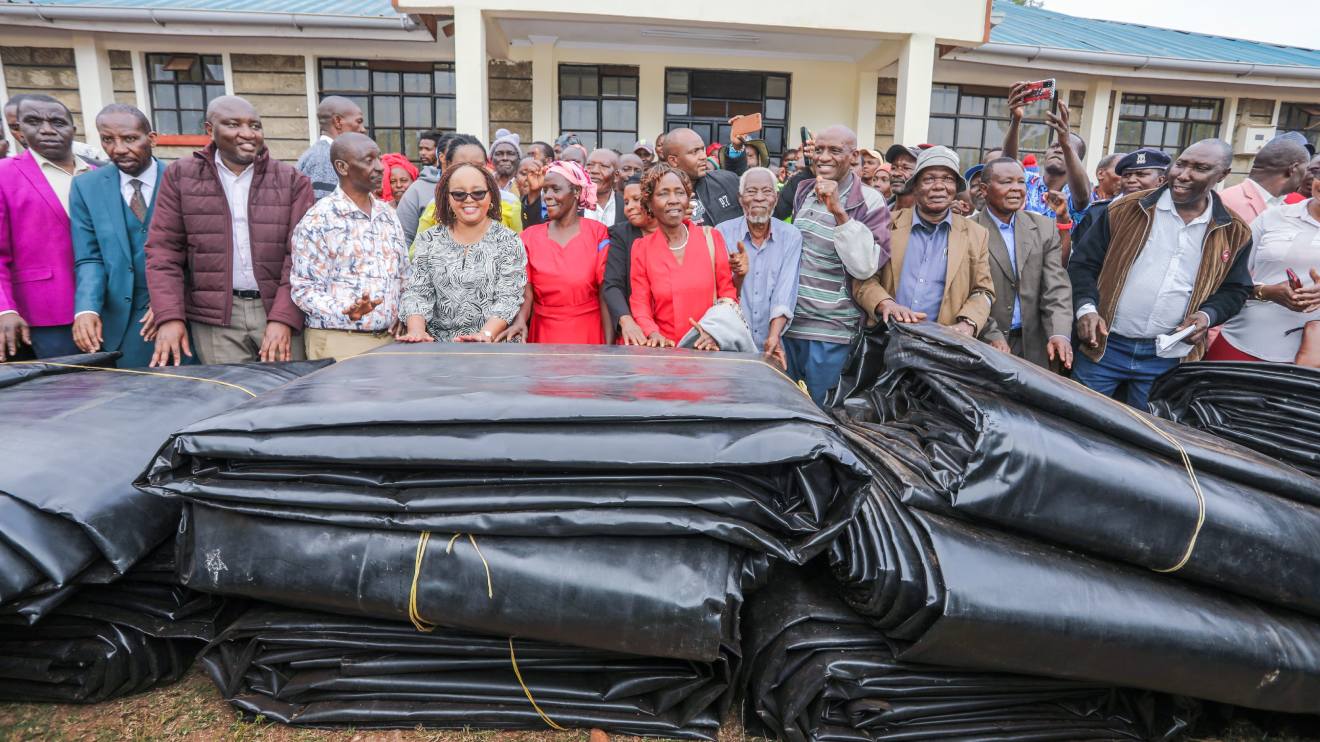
1062	169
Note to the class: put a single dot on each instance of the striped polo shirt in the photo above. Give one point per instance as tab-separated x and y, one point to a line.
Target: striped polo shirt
825	308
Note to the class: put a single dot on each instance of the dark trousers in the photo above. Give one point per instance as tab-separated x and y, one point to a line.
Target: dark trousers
51	342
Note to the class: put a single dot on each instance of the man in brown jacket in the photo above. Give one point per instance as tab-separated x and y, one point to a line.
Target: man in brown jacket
938	264
1156	263
1032	314
218	249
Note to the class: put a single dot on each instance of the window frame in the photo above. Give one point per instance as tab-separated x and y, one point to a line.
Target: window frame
602	72
375	97
1185	123
719	124
1294	116
211	88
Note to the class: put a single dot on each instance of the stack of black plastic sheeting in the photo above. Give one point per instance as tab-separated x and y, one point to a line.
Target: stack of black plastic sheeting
1021	523
87	611
1272	408
610	500
816	670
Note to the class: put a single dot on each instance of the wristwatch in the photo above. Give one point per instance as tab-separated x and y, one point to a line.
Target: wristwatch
1258	292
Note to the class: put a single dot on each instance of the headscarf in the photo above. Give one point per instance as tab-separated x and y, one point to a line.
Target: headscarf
575	175
509	138
390	161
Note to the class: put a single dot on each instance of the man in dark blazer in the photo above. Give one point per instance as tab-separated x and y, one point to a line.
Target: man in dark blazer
110	211
1031	316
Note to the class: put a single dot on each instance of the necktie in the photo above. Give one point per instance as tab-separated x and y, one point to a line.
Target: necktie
137	204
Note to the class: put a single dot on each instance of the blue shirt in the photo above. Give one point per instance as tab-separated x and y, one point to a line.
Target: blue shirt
1036	190
1010	242
769	289
921	285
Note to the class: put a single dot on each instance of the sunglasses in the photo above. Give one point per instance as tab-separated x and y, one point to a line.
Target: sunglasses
461	196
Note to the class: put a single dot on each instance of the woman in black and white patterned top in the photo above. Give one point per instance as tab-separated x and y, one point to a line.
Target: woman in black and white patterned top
468	271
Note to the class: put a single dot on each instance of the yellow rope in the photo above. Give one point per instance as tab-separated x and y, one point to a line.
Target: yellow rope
133	371
490	586
413	615
527	691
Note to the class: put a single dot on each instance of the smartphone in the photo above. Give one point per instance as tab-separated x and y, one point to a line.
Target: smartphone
744	125
1040	90
806	134
1294	282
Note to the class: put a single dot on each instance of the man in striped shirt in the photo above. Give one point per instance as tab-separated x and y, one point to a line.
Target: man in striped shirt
845	234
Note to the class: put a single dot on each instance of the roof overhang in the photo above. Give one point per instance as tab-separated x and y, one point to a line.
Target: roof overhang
1134	65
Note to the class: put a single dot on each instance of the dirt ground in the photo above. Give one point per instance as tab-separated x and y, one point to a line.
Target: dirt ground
192	711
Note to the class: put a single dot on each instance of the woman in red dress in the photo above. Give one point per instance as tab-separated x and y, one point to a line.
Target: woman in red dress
680	270
566	262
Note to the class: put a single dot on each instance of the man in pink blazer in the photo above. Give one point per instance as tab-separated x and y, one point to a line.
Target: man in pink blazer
1277	171
36	246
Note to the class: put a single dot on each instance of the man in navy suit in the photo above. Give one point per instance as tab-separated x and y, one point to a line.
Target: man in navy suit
110	211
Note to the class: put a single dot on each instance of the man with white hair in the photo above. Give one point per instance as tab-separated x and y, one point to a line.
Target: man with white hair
764	253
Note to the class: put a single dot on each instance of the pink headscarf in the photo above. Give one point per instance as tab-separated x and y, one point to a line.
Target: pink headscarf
575	175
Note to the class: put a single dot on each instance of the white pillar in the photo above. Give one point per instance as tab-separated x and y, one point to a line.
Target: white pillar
1113	121
227	69
1230	121
311	77
96	87
4	95
545	88
868	87
916	71
1095	117
650	100
471	98
141	93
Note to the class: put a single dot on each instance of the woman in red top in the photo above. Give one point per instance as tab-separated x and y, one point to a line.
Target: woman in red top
675	278
566	261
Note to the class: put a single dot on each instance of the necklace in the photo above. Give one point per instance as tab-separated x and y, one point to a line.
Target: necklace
686	235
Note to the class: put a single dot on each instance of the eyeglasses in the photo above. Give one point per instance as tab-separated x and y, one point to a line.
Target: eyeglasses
461	196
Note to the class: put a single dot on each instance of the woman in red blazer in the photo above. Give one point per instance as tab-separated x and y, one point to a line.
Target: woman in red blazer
680	270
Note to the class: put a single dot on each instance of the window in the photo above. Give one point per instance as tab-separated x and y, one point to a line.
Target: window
182	85
599	104
1303	117
974	120
399	99
705	100
1166	122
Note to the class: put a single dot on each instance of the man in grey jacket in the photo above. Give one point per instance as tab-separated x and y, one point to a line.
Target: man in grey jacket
336	115
422	191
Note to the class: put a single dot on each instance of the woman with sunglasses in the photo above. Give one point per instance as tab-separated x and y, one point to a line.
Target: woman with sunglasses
469	270
566	262
680	270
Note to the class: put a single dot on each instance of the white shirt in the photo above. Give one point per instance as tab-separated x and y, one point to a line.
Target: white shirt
604	212
1271	200
1282	238
148	178
237	190
60	180
1159	283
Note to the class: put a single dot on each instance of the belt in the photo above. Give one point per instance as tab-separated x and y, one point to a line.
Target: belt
374	333
247	294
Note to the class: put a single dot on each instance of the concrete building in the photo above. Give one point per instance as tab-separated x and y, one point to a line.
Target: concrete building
935	71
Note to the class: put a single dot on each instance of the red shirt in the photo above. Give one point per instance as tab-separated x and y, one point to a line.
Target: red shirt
566	281
666	293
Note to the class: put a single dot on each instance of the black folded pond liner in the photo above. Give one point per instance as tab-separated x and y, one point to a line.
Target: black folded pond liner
658	596
948	592
1001	441
313	669
75	437
1272	408
815	670
553	441
105	641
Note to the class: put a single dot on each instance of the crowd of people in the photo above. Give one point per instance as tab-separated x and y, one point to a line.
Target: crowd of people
230	255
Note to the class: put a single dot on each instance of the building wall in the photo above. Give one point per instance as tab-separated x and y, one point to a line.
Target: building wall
121	72
510	91
886	105
276	85
1251	112
46	71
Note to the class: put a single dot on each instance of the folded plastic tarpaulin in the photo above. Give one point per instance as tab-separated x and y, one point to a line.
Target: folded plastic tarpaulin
815	670
553	441
952	593
75	437
110	640
659	596
1272	408
999	440
324	670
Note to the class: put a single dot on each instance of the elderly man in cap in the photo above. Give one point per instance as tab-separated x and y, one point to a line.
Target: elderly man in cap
902	159
645	152
939	267
845	235
1279	168
1138	171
